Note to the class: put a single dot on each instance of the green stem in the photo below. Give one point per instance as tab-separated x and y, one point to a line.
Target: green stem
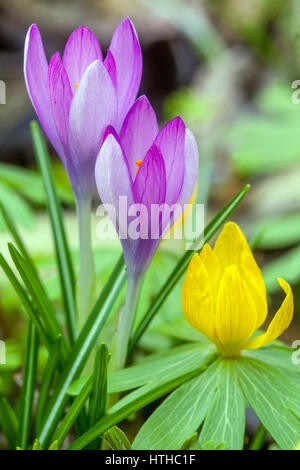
86	276
126	318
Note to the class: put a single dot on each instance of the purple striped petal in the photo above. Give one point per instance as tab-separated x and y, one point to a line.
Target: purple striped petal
191	164
112	175
81	50
36	77
138	132
126	50
110	65
149	186
91	113
170	141
60	97
113	182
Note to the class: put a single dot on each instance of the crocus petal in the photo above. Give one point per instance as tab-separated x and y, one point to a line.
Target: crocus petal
60	97
197	297
235	314
149	186
110	65
232	247
91	113
113	182
280	322
112	175
138	132
126	50
191	163
36	77
81	50
170	141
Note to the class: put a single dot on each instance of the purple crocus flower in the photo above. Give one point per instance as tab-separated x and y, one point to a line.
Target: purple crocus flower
150	168
78	96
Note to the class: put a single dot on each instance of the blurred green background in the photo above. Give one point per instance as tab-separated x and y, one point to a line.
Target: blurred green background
227	67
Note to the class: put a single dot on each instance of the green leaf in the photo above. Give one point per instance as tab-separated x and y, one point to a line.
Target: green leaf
285	266
174	363
37	445
225	420
268	140
27	393
54	446
65	267
16	205
274	398
180	414
39	296
181	267
26	302
117	439
46	381
72	413
97	404
81	350
190	442
8	422
150	393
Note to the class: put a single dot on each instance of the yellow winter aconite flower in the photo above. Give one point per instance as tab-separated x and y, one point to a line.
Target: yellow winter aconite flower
224	295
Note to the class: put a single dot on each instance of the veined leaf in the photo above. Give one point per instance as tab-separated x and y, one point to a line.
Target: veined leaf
180	414
274	397
225	420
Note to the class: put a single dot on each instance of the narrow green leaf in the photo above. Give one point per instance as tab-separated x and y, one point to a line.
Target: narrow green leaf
8	422
274	397
65	267
189	442
97	404
225	420
37	445
181	267
14	232
54	446
149	395
39	296
81	350
27	394
26	302
180	414
117	439
46	381
72	413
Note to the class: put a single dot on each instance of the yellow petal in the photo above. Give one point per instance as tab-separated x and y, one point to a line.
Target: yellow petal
197	297
212	266
236	314
253	277
232	247
280	322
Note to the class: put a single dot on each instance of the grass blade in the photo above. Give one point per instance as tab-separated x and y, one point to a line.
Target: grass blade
65	267
181	267
141	401
9	422
73	412
47	379
97	404
26	302
81	350
39	296
28	387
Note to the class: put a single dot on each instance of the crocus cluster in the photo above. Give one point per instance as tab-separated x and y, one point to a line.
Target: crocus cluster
77	96
152	169
224	295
